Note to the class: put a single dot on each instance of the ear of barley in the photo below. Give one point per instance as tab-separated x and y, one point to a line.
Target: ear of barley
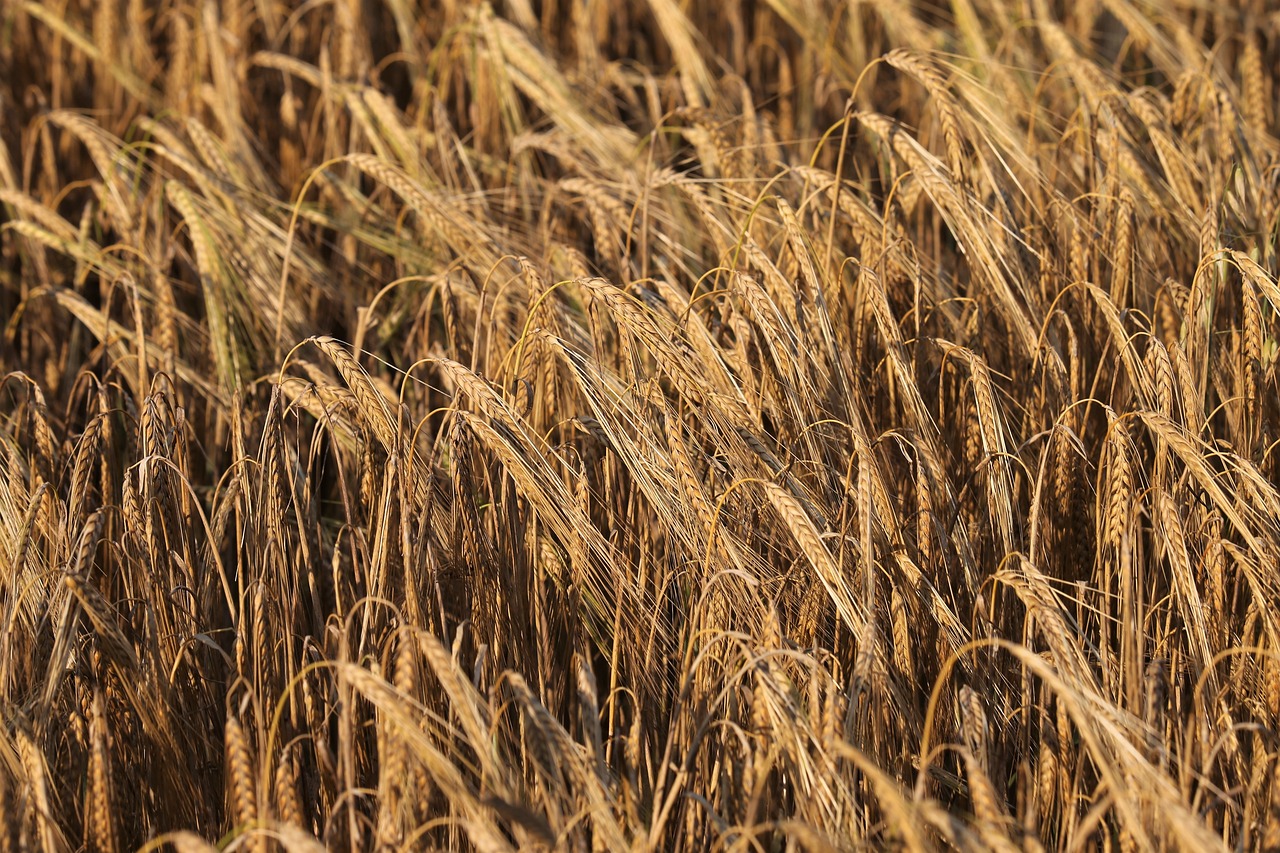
100	826
241	792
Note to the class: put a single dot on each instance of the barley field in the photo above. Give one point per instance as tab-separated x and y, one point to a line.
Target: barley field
602	425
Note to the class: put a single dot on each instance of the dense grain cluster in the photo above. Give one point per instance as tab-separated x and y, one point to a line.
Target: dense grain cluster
639	424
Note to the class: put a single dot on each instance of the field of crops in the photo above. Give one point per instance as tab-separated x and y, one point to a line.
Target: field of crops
597	425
